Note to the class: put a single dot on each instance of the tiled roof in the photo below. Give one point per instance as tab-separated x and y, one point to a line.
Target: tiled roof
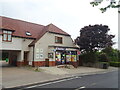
20	27
55	29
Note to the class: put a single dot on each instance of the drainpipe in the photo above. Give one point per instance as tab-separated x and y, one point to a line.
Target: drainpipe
33	55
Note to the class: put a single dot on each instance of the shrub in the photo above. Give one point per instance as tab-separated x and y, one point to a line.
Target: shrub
89	57
104	65
115	64
103	57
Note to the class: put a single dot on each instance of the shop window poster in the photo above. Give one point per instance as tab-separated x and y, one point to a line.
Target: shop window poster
73	58
50	55
68	58
41	56
37	55
58	56
41	50
37	50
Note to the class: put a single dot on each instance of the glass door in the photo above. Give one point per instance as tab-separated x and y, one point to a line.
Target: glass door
63	58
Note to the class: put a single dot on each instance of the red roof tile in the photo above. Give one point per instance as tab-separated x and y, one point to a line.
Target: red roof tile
55	29
21	27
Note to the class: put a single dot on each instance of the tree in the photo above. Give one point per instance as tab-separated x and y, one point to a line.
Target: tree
94	37
112	4
112	53
103	57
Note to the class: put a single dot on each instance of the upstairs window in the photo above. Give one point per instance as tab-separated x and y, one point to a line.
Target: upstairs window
58	40
7	36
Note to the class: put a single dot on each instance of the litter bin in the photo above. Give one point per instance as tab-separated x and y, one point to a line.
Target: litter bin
47	62
105	66
7	59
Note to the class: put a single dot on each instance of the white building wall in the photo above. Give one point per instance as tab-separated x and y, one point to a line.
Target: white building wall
47	40
16	44
19	44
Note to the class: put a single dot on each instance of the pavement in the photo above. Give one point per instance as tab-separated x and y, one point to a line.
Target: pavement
21	76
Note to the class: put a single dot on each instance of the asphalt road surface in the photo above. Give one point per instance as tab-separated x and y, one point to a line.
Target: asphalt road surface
103	80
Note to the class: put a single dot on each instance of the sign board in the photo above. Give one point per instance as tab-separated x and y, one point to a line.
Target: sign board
78	52
58	48
41	50
41	56
37	55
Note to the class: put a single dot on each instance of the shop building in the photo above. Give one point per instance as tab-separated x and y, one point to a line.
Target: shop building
25	43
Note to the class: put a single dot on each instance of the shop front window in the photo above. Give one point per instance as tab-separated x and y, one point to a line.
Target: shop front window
66	57
73	56
58	57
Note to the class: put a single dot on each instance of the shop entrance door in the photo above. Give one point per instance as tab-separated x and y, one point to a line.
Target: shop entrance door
63	58
60	57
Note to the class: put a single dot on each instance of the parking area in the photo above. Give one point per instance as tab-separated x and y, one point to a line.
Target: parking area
18	76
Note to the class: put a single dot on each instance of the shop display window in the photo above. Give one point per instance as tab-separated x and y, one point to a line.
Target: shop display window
50	55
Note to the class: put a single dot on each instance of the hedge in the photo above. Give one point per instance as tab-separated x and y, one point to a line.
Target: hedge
115	64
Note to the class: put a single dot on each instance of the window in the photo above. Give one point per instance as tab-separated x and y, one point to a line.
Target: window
58	40
28	33
7	36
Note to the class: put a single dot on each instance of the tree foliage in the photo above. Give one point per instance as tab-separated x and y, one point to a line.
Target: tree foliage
94	37
103	57
112	4
113	54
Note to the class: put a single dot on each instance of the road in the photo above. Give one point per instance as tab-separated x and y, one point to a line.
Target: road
103	80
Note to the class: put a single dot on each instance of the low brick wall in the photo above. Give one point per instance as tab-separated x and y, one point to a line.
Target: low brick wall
20	63
38	63
52	63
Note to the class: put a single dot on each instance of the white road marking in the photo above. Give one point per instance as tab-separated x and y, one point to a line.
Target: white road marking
80	88
52	82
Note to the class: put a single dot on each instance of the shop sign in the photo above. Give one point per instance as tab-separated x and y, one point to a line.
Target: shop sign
78	52
57	48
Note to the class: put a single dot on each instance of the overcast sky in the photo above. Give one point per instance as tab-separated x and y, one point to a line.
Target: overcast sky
69	15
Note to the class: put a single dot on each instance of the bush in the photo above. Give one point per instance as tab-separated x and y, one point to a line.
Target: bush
89	57
103	57
104	65
115	64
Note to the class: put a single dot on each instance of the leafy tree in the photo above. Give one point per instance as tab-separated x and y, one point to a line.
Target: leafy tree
112	4
92	39
113	54
103	57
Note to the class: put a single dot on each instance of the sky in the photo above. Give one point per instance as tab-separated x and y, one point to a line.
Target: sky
69	15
